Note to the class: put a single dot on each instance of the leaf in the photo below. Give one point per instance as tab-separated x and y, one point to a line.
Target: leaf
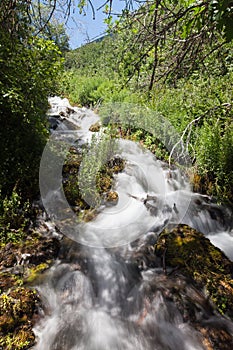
228	31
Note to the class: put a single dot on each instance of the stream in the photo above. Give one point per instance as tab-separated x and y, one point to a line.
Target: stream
97	295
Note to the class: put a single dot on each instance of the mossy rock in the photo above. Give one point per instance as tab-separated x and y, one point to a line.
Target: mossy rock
34	251
70	174
104	179
33	273
95	127
72	162
8	280
17	309
112	198
116	165
104	182
21	339
21	263
192	253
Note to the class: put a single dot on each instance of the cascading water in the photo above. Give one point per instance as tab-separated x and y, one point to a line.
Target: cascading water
98	298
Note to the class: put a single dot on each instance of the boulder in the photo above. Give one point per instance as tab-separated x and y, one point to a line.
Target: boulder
189	252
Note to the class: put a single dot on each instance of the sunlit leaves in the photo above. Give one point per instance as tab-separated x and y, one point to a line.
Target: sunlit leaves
28	71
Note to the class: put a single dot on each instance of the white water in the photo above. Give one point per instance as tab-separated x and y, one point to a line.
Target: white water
108	303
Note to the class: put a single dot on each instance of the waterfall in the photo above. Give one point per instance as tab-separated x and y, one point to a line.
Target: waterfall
96	297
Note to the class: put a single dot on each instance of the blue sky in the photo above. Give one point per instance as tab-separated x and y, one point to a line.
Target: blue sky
82	28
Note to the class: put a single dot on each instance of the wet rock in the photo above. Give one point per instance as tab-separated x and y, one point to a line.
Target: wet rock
46	249
111	198
67	112
70	125
192	254
141	252
95	127
214	338
32	251
54	122
75	254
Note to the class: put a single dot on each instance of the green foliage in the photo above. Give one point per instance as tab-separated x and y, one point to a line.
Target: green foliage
101	150
14	218
27	76
46	25
208	100
192	83
223	15
215	158
89	58
83	90
93	90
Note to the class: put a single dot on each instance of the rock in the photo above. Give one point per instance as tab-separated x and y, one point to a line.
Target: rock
7	280
194	309
142	252
95	127
20	263
8	256
111	198
54	121
67	112
192	254
215	338
16	314
31	251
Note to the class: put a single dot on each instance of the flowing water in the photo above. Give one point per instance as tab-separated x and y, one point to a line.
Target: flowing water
96	295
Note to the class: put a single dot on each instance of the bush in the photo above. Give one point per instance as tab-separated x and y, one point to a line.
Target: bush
215	158
28	70
14	218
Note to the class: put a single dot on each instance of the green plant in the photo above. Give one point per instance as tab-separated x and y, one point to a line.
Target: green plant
101	150
14	218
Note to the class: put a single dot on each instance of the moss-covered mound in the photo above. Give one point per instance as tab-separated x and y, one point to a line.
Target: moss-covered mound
192	253
16	312
21	263
95	127
104	183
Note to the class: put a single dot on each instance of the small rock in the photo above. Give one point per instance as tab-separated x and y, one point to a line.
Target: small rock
95	127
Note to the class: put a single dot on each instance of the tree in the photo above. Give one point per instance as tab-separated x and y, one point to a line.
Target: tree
171	38
28	69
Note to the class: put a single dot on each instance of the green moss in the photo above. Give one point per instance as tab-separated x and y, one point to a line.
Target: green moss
16	310
7	280
22	339
18	304
197	258
34	272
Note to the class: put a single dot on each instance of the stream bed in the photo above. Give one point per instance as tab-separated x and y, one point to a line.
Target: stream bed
100	293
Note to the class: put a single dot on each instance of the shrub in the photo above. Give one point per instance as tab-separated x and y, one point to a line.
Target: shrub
14	218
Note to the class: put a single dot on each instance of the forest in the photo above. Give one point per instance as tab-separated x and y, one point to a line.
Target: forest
173	58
